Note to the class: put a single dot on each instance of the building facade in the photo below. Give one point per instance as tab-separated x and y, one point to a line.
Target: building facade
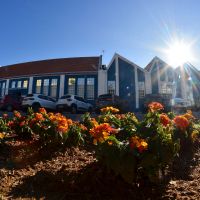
88	78
132	83
56	77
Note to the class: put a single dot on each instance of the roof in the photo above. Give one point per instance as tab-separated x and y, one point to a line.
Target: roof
63	65
150	65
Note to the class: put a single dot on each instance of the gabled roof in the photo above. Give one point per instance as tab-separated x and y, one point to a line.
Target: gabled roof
153	61
116	55
52	66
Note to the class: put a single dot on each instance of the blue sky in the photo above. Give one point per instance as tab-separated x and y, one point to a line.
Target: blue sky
136	29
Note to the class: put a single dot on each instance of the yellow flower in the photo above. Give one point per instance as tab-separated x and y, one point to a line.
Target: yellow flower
109	109
2	135
140	144
101	132
194	135
188	115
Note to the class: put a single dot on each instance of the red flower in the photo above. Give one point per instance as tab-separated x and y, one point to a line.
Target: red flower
42	110
22	123
181	122
164	119
138	143
155	106
5	116
17	114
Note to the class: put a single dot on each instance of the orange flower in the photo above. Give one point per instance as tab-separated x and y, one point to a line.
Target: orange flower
155	106
42	110
17	114
39	117
109	109
69	121
62	129
188	115
101	132
181	122
164	119
138	143
83	127
94	122
2	135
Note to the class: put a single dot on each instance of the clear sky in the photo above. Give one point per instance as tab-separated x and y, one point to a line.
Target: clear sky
136	29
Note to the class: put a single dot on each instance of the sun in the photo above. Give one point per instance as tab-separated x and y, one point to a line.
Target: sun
179	52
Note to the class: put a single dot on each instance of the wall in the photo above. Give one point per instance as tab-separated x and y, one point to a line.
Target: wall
127	89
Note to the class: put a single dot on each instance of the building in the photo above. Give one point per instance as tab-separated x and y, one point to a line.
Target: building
127	80
54	77
88	78
132	83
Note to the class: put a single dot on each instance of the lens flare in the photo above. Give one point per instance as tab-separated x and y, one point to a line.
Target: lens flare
179	52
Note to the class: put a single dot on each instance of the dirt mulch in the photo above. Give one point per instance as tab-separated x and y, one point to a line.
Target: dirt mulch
76	174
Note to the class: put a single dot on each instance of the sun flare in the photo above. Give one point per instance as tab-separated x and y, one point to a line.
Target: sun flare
178	53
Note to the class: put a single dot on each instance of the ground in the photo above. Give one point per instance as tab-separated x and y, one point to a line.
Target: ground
76	174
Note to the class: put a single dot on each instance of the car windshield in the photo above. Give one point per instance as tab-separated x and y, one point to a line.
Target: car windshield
65	97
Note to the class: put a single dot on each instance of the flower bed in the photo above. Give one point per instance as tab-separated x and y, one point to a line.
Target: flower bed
135	150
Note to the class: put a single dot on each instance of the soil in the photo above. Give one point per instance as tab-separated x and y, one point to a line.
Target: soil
76	174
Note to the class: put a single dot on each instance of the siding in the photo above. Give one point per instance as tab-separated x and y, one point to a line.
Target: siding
141	78
154	80
127	84
111	72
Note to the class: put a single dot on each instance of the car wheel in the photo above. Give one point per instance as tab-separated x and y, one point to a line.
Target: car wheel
9	108
73	109
36	107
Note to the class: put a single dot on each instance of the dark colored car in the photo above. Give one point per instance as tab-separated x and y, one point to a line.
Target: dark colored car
11	102
105	100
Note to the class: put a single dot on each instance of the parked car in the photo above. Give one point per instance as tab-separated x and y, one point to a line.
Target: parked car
11	102
73	103
105	100
37	101
180	104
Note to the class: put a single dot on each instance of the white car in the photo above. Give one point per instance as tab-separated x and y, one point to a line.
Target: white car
179	103
73	103
37	101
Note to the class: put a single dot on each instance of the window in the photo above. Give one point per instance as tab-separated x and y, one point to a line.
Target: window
46	87
38	86
25	84
71	85
141	89
90	88
54	83
166	88
111	87
81	87
3	89
19	84
13	84
79	99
